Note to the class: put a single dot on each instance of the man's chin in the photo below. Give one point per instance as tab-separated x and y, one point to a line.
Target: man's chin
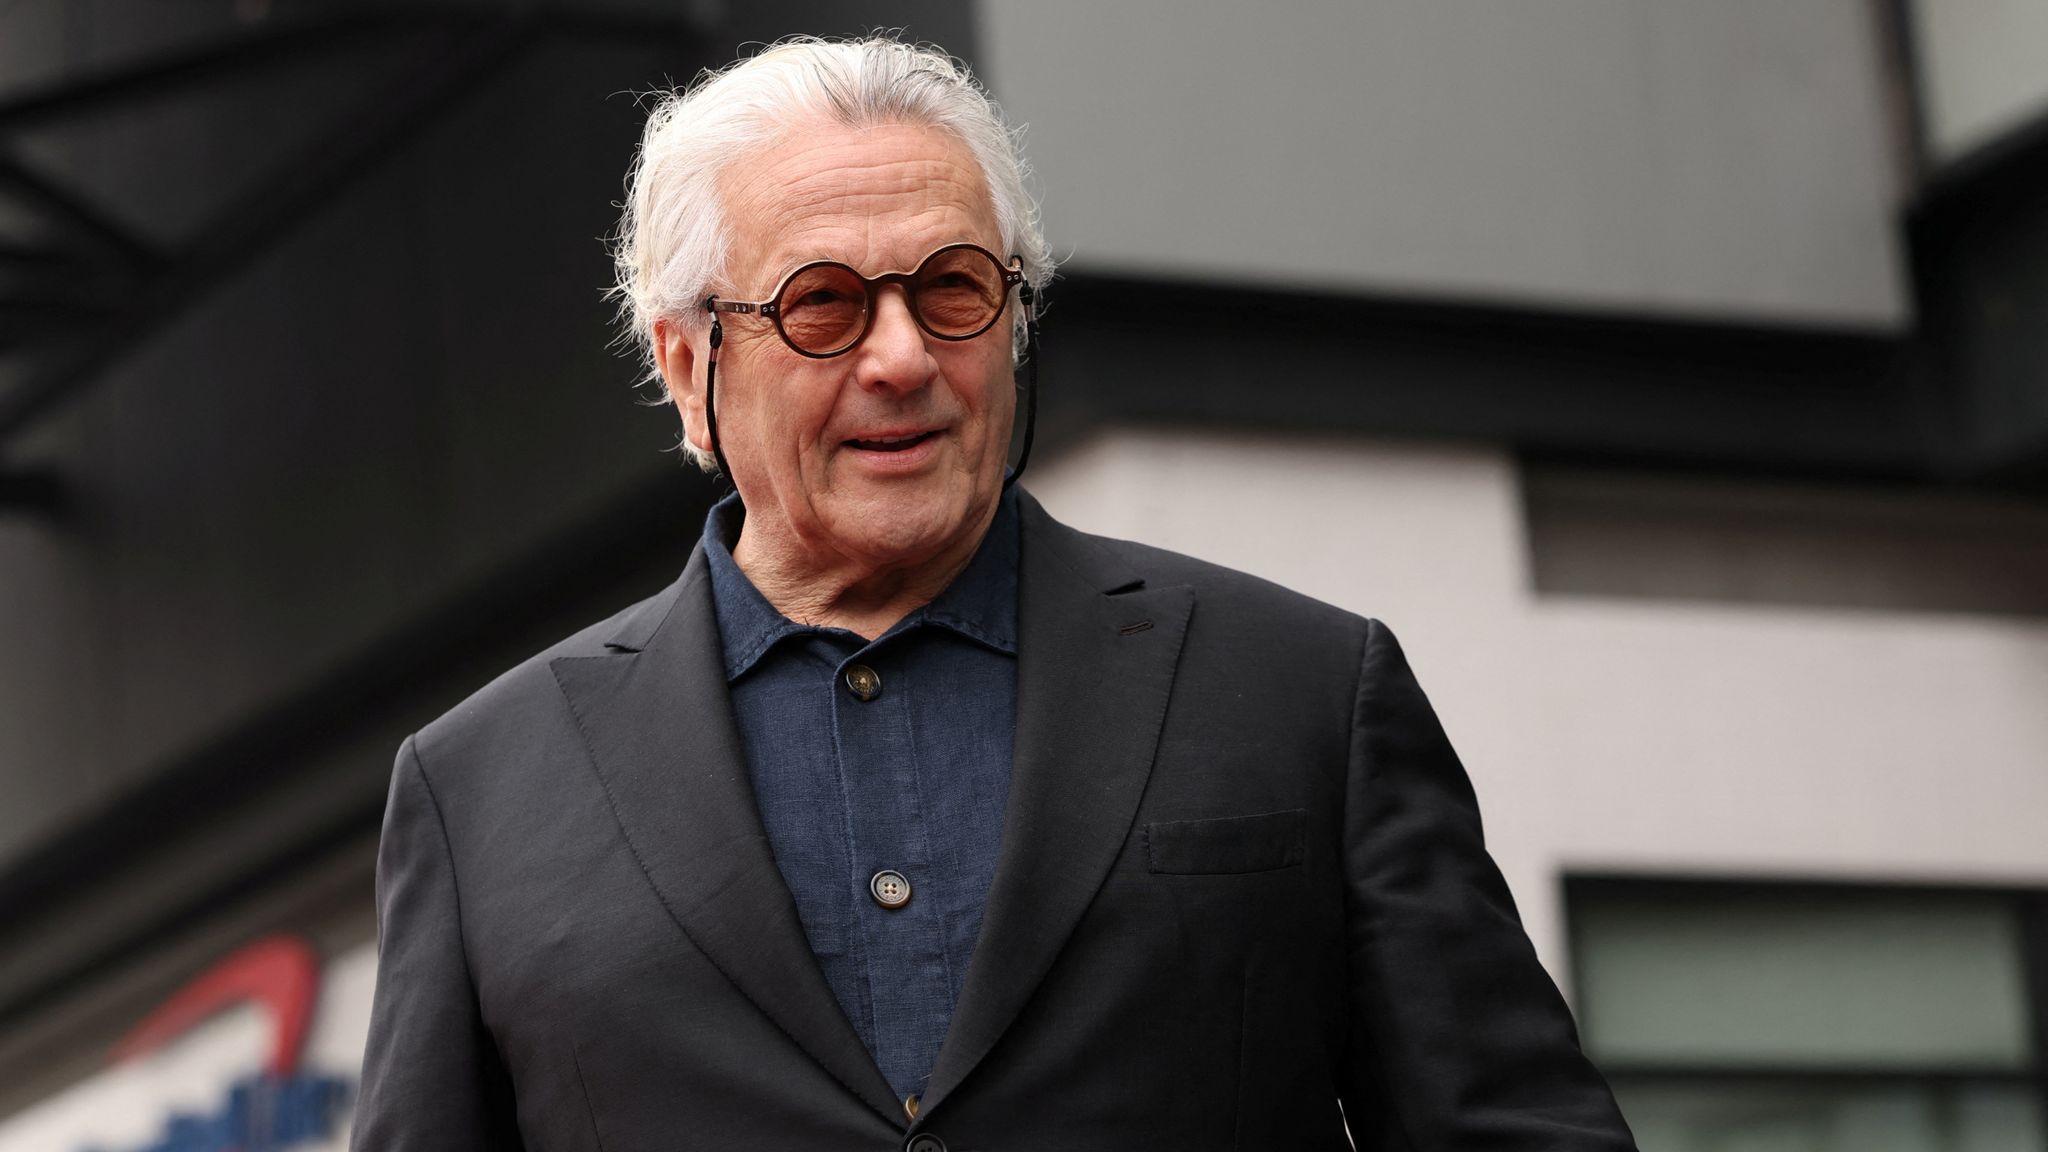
895	524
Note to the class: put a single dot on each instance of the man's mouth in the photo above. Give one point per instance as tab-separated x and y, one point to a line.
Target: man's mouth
892	443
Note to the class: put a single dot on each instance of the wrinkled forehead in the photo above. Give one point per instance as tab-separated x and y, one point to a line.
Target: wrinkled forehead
878	199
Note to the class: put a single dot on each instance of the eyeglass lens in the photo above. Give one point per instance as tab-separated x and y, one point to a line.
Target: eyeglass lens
955	294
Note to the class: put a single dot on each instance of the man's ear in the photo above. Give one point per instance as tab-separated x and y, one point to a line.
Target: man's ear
678	354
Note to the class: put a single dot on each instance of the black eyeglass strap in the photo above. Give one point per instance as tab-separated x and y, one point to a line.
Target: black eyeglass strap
711	394
1029	300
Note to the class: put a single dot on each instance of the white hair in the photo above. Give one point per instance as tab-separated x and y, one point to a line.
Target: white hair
674	239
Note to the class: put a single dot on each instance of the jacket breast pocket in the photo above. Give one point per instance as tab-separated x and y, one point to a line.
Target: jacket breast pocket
1229	844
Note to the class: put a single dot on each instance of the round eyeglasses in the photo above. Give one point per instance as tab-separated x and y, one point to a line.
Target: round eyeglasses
824	308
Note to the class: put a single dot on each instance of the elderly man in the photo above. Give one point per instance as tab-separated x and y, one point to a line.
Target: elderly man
908	817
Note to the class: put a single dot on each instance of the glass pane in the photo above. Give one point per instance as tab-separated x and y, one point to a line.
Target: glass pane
1742	978
1776	1117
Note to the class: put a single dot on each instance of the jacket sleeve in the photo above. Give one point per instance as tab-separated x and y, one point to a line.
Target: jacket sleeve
1459	1040
432	1079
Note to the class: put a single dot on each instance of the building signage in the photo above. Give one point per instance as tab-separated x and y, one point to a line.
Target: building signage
281	1106
255	1054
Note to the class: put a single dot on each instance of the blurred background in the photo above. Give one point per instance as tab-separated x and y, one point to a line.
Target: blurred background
1671	374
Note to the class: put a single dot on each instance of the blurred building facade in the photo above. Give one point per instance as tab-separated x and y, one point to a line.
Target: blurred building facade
1672	376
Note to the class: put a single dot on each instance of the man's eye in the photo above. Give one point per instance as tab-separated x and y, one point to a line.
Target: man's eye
819	298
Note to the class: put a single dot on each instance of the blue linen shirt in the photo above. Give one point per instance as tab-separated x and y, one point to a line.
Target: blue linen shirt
913	780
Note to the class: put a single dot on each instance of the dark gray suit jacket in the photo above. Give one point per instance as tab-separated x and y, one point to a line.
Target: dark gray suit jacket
1241	880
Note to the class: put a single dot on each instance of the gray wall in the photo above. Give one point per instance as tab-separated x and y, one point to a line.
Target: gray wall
1724	158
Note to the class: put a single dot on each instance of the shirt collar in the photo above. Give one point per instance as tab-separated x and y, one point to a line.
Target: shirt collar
980	603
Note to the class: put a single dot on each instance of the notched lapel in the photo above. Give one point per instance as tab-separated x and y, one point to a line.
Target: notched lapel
1096	657
657	720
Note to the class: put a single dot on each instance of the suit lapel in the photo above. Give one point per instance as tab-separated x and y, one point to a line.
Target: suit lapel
1096	655
657	720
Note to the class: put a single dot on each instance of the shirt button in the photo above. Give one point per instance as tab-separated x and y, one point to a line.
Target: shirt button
910	1105
925	1142
890	888
863	682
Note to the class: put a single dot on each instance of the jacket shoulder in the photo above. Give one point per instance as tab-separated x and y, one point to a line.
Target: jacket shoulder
523	705
1253	600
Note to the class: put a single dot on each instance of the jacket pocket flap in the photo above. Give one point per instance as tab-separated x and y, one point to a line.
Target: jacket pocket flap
1229	844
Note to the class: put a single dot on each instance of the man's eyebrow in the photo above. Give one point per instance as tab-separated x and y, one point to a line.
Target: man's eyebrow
783	268
782	263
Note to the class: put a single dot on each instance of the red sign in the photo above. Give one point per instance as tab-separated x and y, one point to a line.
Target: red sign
277	1109
281	973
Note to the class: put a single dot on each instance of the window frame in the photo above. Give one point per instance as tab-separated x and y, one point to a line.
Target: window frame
2030	911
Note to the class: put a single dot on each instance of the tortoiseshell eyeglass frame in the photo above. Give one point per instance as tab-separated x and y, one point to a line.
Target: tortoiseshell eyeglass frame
1012	275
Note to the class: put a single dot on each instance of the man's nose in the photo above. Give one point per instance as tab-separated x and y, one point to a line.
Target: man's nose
893	354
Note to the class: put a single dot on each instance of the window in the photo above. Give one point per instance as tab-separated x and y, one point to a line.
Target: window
1754	1017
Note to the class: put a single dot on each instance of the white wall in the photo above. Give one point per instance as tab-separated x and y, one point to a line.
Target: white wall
1724	157
1633	736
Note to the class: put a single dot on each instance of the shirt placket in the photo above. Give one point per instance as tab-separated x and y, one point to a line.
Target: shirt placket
901	926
